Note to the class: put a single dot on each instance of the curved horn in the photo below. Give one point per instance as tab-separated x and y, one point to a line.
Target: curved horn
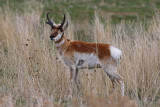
49	21
63	21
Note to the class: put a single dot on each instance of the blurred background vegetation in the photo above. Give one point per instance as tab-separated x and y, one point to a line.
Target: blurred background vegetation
83	10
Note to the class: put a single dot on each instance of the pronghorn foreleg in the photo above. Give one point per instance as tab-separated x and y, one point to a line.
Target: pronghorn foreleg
75	83
74	76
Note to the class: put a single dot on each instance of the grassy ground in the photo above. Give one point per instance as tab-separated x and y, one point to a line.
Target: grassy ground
32	73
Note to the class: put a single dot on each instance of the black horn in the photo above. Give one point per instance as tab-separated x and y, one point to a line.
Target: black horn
49	21
63	21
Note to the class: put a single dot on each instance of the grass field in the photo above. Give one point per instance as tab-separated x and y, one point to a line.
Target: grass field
33	74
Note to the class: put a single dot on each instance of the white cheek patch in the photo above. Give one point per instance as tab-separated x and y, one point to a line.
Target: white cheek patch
58	37
60	43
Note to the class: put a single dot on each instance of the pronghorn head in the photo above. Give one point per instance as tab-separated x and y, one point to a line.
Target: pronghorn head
57	30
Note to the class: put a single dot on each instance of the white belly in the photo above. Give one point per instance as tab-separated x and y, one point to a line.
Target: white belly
86	61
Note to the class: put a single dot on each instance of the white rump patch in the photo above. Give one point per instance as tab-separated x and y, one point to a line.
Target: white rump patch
115	53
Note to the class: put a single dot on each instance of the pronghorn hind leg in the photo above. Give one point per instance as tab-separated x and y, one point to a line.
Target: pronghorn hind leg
112	80
119	79
115	77
113	83
121	82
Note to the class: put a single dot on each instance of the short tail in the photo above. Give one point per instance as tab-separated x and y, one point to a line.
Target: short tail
115	53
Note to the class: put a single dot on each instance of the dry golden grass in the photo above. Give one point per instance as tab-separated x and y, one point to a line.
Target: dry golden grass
32	73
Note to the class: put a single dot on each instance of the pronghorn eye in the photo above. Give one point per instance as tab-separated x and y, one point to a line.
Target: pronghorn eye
52	28
61	30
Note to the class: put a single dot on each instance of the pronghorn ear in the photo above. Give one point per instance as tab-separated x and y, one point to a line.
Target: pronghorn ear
65	26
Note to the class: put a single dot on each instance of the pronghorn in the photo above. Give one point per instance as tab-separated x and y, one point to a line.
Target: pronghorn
78	54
